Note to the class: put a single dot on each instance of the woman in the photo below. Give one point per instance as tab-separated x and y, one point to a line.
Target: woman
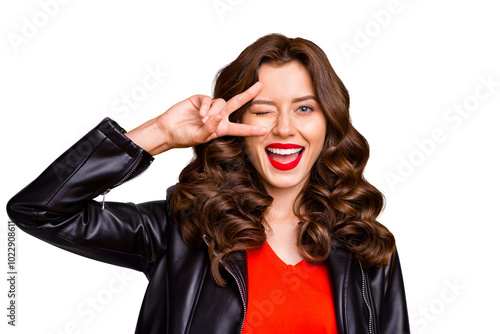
272	226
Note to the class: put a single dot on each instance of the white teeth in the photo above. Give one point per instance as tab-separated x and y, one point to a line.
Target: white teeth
282	151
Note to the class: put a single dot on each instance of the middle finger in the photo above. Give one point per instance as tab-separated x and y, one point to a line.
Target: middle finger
215	108
239	100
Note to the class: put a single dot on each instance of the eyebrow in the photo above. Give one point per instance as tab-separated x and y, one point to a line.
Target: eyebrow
298	99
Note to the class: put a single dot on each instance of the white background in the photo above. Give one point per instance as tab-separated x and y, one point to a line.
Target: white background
409	68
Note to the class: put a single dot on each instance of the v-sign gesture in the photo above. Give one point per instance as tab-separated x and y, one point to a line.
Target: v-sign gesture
195	120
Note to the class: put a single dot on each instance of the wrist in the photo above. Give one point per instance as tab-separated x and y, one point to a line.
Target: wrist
150	137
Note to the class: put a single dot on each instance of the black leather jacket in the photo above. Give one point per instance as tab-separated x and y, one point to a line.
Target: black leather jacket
181	296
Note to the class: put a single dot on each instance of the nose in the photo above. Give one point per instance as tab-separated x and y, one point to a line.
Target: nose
285	126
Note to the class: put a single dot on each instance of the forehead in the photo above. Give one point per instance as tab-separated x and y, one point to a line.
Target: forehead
284	82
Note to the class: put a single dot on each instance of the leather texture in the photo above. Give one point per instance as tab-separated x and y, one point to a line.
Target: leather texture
181	297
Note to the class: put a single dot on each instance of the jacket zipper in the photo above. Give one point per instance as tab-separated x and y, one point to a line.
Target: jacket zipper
103	197
125	178
363	290
131	172
241	295
240	289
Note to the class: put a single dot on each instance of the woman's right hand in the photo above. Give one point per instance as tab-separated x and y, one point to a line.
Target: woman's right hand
193	121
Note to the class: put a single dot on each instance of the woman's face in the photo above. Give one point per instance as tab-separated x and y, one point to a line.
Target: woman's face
288	107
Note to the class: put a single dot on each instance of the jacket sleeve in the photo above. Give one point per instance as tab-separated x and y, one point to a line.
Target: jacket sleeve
58	206
389	293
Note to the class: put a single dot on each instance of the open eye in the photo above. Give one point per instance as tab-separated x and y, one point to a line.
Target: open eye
305	109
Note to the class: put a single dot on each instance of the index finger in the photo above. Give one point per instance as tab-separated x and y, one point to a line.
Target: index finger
245	130
239	100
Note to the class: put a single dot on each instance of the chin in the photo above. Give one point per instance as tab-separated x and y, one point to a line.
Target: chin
284	181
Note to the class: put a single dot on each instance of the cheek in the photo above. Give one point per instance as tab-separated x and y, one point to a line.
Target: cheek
315	130
317	135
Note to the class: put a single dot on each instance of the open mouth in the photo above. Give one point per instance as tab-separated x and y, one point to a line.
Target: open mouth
284	156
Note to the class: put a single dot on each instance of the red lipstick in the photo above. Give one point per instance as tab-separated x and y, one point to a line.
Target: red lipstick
284	166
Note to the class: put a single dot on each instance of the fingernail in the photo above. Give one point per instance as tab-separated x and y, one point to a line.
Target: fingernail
204	119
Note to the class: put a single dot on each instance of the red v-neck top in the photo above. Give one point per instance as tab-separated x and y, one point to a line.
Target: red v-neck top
286	298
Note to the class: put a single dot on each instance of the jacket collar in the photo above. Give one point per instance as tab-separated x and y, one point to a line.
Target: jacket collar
236	265
339	262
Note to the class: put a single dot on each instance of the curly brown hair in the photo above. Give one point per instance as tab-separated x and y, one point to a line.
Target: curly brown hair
220	195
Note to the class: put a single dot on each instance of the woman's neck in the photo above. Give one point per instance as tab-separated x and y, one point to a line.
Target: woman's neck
283	202
282	226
